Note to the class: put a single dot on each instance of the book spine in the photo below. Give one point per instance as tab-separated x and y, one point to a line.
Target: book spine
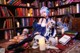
17	3
23	22
78	8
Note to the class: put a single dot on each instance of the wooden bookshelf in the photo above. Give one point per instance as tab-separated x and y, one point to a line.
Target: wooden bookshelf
10	17
29	17
29	27
6	29
55	13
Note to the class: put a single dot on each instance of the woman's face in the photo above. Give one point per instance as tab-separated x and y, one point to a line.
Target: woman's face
44	14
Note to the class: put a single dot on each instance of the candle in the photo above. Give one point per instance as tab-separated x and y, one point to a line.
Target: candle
28	14
28	4
18	25
56	38
42	45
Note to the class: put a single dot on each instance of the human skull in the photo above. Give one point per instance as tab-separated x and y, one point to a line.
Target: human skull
36	39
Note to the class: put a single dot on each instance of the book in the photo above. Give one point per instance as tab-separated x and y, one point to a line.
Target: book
4	24
19	12
17	3
26	12
65	39
2	11
78	8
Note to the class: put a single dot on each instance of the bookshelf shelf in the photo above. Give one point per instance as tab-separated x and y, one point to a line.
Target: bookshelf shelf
76	15
6	17
29	27
6	29
57	16
29	17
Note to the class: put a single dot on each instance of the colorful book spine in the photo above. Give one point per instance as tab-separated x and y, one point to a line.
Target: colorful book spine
78	8
11	1
17	3
8	34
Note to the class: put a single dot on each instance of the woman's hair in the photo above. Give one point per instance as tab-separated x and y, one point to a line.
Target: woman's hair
44	9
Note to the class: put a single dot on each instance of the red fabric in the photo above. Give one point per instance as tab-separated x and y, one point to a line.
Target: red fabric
61	47
71	35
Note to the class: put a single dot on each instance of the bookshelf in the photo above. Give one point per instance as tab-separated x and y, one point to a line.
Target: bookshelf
8	17
24	12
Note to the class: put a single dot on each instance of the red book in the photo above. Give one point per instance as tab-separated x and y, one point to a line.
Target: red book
26	12
7	23
20	11
3	13
30	21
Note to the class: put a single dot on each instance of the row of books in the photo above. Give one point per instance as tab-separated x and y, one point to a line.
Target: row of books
27	12
60	11
19	12
63	2
14	2
36	3
67	10
8	34
24	12
4	11
2	1
11	2
23	22
8	23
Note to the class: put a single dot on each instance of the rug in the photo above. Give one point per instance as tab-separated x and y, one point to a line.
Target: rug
71	48
75	48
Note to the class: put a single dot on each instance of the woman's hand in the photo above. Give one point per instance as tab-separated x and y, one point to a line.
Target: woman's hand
37	33
48	24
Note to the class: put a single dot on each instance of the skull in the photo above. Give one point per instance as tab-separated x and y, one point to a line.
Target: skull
36	39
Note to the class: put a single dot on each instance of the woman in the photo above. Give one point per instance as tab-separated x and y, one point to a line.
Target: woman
45	27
